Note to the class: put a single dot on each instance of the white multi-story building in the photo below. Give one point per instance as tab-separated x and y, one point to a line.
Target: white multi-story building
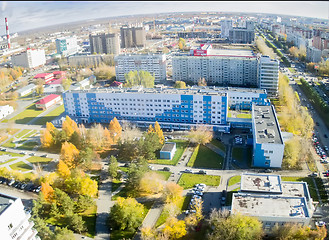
153	63
226	26
67	45
15	223
31	58
217	66
5	111
268	75
273	201
268	145
313	54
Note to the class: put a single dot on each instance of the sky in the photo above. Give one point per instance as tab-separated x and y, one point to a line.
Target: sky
25	15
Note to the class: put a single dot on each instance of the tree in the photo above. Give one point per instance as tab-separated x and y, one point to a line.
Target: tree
75	223
151	183
47	191
85	158
69	126
39	90
202	82
46	139
290	231
66	83
89	187
104	72
63	234
43	230
135	173
173	192
147	145
63	169
63	202
128	150
200	135
174	228
115	130
180	84
234	227
148	233
83	203
159	132
113	167
139	78
127	214
68	154
181	43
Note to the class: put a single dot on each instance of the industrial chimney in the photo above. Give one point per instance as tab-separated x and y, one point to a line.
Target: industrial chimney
7	32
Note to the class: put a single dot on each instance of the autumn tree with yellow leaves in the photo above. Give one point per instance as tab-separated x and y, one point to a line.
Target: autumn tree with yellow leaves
47	191
69	153
115	130
63	170
69	126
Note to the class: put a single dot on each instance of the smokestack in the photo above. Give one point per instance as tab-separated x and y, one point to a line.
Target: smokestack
7	32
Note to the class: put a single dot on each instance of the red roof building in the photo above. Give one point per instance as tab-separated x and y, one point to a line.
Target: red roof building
45	76
59	74
48	101
56	81
116	84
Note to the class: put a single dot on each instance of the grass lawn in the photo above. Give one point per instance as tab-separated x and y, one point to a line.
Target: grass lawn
311	186
204	157
3	138
10	160
115	184
28	145
243	115
30	134
36	159
9	144
21	166
181	145
188	180
234	180
229	197
182	205
22	133
11	154
50	116
122	234
89	217
218	144
292	70
237	154
27	115
165	174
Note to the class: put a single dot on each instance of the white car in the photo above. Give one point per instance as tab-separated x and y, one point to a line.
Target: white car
320	223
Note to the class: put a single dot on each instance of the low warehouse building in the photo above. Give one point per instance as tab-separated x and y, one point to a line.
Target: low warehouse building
48	101
168	150
5	111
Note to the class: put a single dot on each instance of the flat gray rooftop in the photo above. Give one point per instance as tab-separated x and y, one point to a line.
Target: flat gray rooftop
266	125
5	201
269	205
295	189
231	52
263	183
168	147
222	91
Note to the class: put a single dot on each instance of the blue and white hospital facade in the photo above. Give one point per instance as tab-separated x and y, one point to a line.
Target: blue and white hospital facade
173	109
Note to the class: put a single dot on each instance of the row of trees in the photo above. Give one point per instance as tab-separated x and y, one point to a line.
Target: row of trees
8	75
298	53
139	78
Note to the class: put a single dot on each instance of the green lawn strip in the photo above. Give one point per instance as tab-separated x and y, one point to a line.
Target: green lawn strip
309	181
124	169
181	145
10	160
12	154
115	184
9	144
30	134
182	205
89	217
292	70
230	196
27	115
243	115
22	133
3	138
218	144
124	234
165	174
237	154
28	145
322	190
122	193
204	157
36	159
21	166
50	116
188	180
234	180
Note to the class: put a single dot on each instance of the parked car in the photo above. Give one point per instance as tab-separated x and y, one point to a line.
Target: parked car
202	172
44	155
313	174
166	169
32	154
188	171
320	223
325	135
268	170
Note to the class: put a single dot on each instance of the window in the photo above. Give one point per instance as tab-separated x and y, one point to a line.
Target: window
10	226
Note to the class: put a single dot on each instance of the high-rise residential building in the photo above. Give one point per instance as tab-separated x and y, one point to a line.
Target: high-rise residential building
224	67
31	58
227	67
132	37
313	54
153	63
268	75
242	34
15	223
67	45
105	43
226	26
